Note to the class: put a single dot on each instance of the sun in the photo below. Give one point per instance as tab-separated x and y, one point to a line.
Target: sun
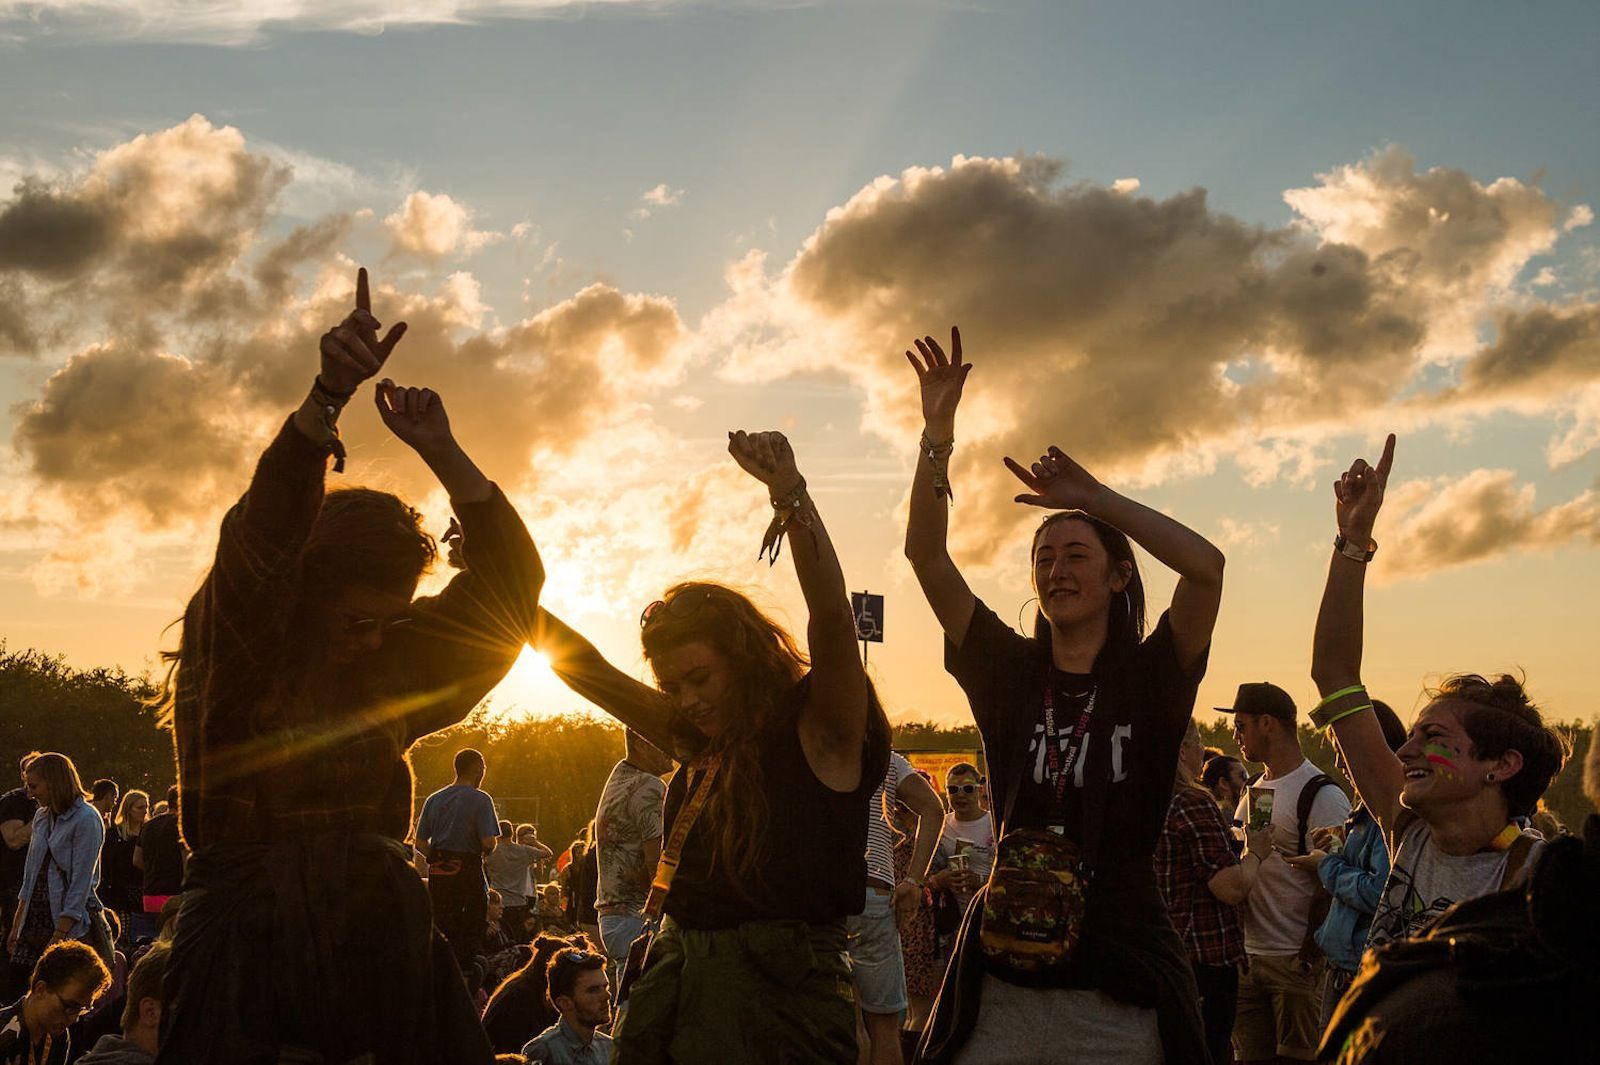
532	689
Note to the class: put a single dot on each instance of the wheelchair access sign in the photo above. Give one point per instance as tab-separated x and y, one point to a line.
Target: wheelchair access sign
868	609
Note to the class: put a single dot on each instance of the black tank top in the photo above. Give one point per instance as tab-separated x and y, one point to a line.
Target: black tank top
813	866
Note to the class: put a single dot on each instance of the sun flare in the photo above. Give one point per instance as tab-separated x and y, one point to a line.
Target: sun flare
532	689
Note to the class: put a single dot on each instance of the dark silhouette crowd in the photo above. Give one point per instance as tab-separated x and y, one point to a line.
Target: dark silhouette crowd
764	879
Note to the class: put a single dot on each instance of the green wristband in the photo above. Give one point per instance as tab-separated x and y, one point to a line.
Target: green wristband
1346	713
1340	694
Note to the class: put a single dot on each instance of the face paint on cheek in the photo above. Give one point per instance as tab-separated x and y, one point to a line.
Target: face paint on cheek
1442	759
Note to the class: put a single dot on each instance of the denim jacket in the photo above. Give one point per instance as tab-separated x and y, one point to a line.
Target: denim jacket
67	846
1354	877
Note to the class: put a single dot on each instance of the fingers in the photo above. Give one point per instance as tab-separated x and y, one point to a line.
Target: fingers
390	339
363	296
1386	463
930	351
1025	476
915	365
955	345
357	347
933	346
335	351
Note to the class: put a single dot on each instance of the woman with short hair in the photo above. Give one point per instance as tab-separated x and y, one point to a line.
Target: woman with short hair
1477	757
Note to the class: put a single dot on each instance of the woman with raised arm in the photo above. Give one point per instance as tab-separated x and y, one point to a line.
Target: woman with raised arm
779	760
1477	757
304	673
1068	953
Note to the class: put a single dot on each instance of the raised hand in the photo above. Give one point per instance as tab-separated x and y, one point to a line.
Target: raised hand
767	457
941	379
416	416
1056	482
1359	495
351	350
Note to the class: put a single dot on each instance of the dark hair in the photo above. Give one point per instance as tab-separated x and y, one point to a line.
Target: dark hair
526	828
1217	766
1498	716
102	787
145	981
70	962
366	538
963	769
1125	626
1394	733
566	965
765	662
505	828
468	761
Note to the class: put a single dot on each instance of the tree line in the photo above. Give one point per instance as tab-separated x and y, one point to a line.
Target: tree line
547	771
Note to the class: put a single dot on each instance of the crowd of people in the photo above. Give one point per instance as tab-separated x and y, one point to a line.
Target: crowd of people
765	880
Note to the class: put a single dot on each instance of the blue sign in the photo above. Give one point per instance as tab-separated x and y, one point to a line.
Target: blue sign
868	609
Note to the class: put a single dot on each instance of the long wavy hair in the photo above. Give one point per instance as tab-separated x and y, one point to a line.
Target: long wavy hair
765	662
1125	627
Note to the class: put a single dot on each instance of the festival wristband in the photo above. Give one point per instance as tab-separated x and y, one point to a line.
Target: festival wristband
939	459
1325	713
1341	715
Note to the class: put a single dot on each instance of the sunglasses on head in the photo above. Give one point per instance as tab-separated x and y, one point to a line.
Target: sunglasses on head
962	789
577	957
681	606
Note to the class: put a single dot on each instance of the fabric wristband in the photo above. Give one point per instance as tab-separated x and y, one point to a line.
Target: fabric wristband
939	459
1341	715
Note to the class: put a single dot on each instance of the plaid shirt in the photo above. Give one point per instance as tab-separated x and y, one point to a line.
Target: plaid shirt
1194	846
262	757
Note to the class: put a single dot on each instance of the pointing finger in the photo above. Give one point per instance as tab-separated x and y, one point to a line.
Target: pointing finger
955	345
363	297
1386	463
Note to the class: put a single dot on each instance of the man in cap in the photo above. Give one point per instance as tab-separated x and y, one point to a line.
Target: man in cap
1280	991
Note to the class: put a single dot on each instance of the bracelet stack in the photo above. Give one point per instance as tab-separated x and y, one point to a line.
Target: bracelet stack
788	507
330	403
1340	705
939	458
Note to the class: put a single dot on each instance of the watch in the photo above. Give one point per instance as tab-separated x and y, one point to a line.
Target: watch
1351	551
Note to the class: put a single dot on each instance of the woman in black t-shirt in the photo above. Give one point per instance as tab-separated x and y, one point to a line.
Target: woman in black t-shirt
749	963
1127	994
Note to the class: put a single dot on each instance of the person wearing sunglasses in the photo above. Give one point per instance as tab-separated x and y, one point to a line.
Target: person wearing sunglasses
305	670
779	754
581	993
968	833
1081	722
65	982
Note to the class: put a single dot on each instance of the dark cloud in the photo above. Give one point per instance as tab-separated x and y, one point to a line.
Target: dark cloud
1541	351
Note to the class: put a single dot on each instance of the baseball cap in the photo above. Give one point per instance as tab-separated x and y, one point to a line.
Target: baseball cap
1262	698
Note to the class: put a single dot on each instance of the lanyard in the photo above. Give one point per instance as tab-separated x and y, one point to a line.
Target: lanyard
667	868
1059	770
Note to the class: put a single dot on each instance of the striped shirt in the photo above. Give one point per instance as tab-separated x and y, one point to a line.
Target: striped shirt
881	832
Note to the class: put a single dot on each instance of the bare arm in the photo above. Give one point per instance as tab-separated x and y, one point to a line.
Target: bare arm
652	854
928	524
585	670
834	722
1059	483
1337	644
920	797
1234	884
16	834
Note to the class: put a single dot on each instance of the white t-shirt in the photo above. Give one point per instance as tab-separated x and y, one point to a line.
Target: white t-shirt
880	825
1279	908
1424	882
973	838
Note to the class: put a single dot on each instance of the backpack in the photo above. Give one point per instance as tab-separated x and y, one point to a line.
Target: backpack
1321	901
1308	796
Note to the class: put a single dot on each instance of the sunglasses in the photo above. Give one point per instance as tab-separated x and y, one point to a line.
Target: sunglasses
72	1008
681	606
577	957
367	626
962	789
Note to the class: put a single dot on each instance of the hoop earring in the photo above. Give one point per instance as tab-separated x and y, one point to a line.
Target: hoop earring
1023	609
1488	778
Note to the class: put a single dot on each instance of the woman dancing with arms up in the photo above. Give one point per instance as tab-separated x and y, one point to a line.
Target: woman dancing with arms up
778	764
304	673
1068	954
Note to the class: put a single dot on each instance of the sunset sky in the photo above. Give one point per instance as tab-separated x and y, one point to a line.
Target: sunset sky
1214	251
